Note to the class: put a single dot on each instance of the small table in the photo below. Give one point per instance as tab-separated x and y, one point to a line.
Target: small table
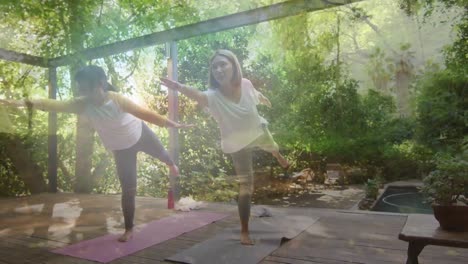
422	230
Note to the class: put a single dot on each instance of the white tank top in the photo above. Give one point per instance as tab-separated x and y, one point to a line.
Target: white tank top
239	123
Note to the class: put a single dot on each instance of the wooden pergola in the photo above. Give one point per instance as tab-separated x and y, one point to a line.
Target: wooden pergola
170	37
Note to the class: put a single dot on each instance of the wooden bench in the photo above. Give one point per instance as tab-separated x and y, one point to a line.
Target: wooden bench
422	230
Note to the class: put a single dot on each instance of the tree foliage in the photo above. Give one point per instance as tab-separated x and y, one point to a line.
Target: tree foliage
334	77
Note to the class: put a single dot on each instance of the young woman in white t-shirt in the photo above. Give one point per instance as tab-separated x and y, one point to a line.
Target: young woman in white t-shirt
232	101
118	121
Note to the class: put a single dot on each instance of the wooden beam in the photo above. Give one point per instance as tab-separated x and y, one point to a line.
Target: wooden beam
52	134
249	17
14	56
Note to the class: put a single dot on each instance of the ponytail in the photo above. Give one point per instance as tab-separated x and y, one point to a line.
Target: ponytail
112	88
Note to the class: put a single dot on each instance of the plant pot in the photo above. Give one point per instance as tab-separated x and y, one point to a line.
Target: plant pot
452	217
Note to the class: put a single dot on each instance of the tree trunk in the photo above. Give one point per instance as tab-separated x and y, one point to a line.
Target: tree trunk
402	93
28	170
101	167
84	132
84	152
338	62
403	76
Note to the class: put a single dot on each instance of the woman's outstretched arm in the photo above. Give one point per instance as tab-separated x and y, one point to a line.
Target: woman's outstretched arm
144	113
262	99
190	92
48	105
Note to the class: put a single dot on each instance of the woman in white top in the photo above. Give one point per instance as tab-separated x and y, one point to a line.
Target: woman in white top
118	121
232	101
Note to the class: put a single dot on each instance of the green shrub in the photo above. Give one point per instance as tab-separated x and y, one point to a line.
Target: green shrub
408	160
442	110
372	188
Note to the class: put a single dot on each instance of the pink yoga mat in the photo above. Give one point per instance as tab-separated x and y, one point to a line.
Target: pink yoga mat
107	248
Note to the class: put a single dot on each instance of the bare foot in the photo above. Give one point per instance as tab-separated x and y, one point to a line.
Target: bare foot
173	171
245	239
126	236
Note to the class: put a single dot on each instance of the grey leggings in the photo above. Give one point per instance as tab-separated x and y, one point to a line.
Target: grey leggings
126	161
244	169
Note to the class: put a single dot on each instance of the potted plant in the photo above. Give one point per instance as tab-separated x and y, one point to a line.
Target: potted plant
447	188
372	189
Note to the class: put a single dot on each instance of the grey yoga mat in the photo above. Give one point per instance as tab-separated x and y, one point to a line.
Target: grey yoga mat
268	232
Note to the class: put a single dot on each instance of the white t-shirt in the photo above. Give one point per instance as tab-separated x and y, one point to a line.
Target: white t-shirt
239	123
115	121
116	128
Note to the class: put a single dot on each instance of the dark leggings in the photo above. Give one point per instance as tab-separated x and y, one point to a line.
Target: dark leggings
126	161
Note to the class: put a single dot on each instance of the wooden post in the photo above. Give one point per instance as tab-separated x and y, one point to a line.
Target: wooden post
52	134
171	53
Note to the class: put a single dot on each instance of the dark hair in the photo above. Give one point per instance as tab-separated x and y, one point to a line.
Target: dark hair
91	75
237	74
